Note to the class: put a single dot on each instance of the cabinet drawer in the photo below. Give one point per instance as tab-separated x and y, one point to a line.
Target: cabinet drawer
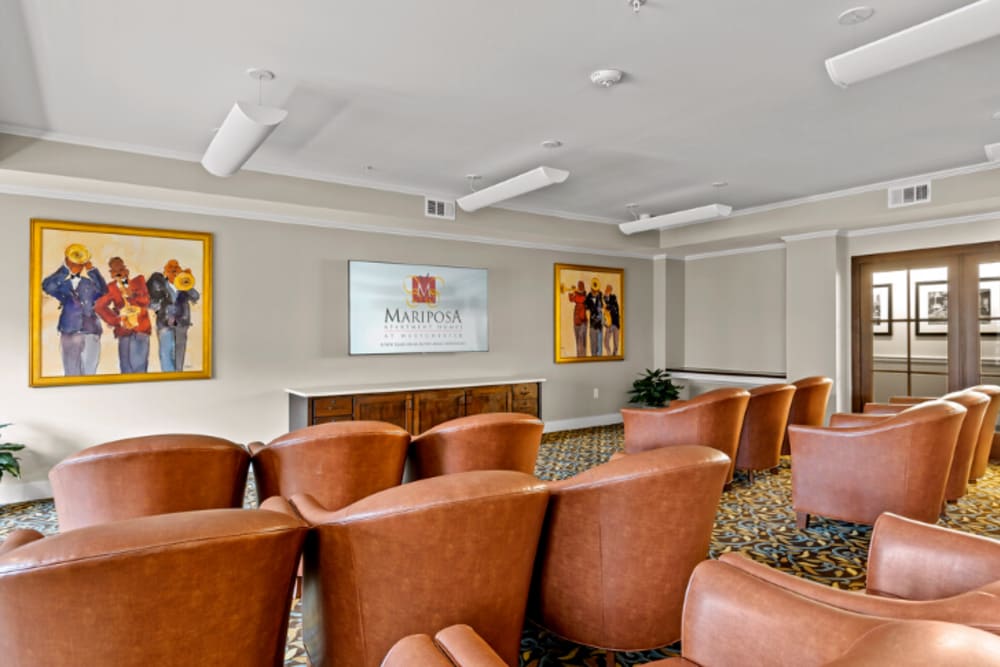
528	406
529	390
333	405
332	418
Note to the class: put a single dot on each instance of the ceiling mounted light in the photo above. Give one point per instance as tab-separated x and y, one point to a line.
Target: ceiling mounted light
962	27
529	181
606	78
992	152
679	219
241	134
551	143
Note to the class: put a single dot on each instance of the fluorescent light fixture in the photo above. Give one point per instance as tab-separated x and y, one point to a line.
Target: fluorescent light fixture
679	219
992	152
244	130
962	27
537	178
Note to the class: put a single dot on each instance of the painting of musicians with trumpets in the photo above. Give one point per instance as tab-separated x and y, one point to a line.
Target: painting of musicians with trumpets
125	308
77	285
172	294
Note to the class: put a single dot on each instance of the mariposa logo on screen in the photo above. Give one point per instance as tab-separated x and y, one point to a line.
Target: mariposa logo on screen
423	290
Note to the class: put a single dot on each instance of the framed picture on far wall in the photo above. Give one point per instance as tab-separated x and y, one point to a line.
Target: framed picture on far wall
882	310
589	313
989	306
118	304
932	308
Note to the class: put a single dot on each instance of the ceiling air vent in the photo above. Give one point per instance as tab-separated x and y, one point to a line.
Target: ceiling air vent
439	208
908	195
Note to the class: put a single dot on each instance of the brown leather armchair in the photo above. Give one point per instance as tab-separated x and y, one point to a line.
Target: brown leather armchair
916	571
764	428
898	464
975	404
713	419
451	549
208	587
457	646
981	457
154	474
336	463
808	405
734	618
492	441
591	584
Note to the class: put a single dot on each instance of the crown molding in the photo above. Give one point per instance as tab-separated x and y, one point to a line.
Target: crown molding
734	251
808	236
271	215
925	224
257	165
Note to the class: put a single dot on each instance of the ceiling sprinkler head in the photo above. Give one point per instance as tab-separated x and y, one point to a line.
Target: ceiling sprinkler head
636	5
606	77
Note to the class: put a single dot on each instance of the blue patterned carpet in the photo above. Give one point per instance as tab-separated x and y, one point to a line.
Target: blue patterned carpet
757	520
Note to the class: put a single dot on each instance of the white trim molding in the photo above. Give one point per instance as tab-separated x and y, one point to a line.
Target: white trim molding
735	251
925	224
583	422
808	236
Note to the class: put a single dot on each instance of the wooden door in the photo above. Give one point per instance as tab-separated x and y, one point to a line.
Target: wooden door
431	408
392	408
487	399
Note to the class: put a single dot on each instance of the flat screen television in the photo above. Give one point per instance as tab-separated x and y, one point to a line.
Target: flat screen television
407	308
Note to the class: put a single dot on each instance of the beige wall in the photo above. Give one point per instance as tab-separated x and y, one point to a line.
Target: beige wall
280	321
734	312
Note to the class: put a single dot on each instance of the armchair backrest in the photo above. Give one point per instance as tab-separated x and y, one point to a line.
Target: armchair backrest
593	584
809	404
336	463
154	474
764	426
713	419
208	587
408	560
492	441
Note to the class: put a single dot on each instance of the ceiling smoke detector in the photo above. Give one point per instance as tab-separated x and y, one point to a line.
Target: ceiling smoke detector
636	5
606	77
855	15
551	143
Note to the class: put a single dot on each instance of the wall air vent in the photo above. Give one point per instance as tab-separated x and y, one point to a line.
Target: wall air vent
908	195
439	208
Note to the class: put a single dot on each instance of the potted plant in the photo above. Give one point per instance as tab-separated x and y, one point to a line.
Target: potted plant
8	462
655	389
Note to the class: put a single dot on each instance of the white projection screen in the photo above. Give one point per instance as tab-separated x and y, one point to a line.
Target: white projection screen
407	308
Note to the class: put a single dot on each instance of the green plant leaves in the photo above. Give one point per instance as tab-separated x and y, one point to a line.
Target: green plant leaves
654	389
9	463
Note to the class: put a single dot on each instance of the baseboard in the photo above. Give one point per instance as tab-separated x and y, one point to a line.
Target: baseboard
583	422
19	492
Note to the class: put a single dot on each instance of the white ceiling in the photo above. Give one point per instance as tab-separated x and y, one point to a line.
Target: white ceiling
427	91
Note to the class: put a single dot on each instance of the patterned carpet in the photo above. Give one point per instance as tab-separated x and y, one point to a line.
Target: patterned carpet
757	520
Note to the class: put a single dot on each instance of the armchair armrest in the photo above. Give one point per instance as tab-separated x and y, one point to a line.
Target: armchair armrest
19	538
281	506
255	447
885	408
466	648
978	608
310	510
415	650
918	561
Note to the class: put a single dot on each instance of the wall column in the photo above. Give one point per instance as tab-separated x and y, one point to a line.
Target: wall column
816	294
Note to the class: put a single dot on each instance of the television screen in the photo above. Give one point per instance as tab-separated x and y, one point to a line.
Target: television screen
401	308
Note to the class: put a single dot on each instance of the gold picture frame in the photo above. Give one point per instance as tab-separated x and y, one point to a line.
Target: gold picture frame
586	301
151	321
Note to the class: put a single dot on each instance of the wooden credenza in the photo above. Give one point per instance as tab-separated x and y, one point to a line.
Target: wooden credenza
415	408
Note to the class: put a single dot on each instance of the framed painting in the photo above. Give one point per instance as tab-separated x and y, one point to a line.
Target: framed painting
989	306
882	310
118	304
932	308
589	313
